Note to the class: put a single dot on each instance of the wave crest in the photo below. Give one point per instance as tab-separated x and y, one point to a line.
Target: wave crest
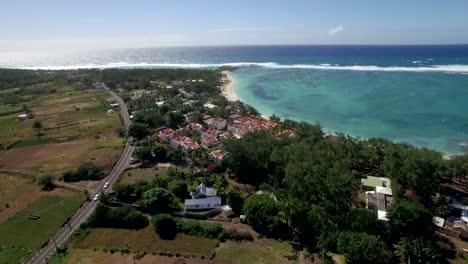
272	65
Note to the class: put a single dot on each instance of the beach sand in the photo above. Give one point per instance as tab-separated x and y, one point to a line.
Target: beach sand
228	88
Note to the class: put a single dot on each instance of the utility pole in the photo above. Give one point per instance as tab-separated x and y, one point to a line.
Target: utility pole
57	249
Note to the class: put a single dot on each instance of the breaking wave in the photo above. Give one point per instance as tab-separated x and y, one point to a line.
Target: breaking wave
272	65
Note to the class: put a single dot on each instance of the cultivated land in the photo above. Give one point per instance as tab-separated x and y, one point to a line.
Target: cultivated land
76	128
71	137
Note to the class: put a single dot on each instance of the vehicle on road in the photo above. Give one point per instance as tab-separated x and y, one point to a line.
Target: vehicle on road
96	197
106	185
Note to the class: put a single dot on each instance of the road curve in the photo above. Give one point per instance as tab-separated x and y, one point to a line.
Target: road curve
87	208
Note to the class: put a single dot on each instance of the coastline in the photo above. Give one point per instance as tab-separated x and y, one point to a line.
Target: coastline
227	90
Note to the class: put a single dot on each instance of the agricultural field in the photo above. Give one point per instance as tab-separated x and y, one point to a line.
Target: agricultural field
147	240
76	128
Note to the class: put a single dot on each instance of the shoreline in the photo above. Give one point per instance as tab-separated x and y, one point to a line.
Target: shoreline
227	90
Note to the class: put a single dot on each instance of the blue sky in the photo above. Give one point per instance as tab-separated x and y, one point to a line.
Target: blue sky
50	24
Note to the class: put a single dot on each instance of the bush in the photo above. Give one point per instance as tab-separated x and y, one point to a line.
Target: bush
47	183
261	211
165	226
86	171
120	217
199	229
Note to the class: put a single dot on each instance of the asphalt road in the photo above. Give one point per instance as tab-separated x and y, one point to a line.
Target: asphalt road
85	211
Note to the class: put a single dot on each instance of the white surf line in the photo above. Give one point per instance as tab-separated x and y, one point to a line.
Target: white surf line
454	68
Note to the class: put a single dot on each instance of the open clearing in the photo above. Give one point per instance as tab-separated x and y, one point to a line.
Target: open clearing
256	252
147	240
20	231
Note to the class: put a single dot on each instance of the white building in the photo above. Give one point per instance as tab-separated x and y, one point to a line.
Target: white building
381	197
203	203
203	198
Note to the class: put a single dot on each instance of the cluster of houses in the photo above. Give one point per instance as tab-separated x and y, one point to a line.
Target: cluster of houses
380	198
216	130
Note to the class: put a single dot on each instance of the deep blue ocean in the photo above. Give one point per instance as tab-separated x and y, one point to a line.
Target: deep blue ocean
413	94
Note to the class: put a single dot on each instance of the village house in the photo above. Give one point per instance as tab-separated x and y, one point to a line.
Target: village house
217	155
186	143
204	132
381	198
203	198
209	142
224	136
288	133
194	126
218	123
165	133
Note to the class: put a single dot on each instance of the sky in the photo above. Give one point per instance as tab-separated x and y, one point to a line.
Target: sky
84	24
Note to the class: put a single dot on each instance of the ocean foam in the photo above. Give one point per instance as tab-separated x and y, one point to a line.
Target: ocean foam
272	65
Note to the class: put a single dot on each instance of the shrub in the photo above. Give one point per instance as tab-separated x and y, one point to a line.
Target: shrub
86	171
120	217
165	226
199	229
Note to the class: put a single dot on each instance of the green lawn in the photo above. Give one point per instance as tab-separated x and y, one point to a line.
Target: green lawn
13	255
253	252
19	231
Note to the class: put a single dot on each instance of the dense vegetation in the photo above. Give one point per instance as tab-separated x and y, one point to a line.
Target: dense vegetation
86	171
117	217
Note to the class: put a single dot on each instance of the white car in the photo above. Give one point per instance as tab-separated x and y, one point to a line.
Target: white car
106	185
96	197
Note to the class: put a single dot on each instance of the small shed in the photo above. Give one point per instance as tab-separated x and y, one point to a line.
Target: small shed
23	117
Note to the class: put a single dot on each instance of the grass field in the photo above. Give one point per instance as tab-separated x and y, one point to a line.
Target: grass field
253	252
13	255
17	186
147	240
19	231
135	175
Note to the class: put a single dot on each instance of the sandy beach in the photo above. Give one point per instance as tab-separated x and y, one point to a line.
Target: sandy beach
228	88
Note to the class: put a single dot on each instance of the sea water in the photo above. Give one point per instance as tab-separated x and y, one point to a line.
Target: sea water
413	94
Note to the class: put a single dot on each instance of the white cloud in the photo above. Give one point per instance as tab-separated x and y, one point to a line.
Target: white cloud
335	30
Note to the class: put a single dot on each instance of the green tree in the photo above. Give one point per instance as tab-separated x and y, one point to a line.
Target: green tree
173	119
47	183
407	219
361	248
413	250
37	126
235	199
165	226
179	189
260	211
138	130
158	200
